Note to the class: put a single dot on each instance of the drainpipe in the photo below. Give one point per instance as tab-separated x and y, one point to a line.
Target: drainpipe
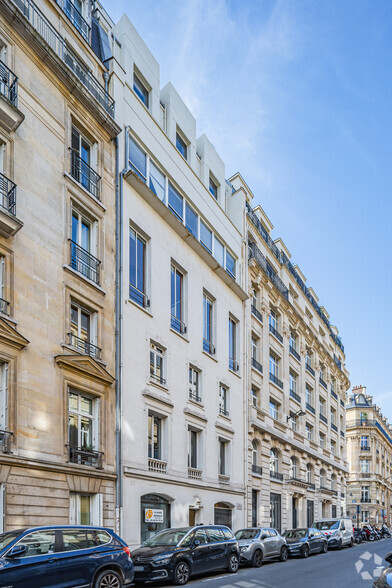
119	328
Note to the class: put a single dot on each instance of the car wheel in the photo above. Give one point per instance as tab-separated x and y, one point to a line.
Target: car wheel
257	558
108	579
181	573
325	547
305	551
233	563
283	554
340	544
351	542
371	537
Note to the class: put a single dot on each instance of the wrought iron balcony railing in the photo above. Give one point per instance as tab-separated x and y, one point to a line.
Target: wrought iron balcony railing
295	396
7	194
158	378
334	428
323	418
85	456
309	368
85	347
76	18
5	441
342	434
310	408
365	447
83	262
324	384
194	396
342	403
256	469
60	47
276	381
337	361
276	475
294	352
311	485
208	347
366	500
8	84
257	365
85	175
223	411
233	365
138	296
334	395
276	333
177	324
257	313
4	307
254	252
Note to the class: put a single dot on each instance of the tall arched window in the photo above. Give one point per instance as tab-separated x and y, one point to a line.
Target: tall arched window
309	473
254	452
293	467
333	482
323	479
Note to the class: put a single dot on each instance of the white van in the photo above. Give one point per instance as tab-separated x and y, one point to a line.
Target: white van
339	532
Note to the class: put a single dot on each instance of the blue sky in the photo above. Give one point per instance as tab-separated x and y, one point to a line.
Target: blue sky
297	95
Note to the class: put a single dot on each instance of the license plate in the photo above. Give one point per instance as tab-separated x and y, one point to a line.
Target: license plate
139	568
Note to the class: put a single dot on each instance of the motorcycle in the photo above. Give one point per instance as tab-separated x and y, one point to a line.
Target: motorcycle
358	535
370	533
385	532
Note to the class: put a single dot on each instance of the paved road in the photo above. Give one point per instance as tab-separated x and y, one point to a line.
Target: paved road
335	569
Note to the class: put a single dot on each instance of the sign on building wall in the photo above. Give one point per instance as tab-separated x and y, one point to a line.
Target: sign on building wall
153	515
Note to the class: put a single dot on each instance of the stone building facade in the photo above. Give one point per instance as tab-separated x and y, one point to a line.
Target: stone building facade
297	384
369	454
57	256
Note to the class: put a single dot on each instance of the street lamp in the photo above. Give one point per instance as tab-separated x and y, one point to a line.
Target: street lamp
295	415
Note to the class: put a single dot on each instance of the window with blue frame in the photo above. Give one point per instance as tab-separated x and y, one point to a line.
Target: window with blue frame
230	264
140	89
208	306
191	220
137	159
137	268
233	365
213	188
219	252
176	202
157	181
205	236
181	145
177	301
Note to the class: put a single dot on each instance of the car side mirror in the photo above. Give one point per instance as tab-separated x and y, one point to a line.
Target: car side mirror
388	557
17	550
263	536
311	535
196	543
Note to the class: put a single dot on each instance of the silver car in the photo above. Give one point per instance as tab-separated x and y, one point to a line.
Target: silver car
260	543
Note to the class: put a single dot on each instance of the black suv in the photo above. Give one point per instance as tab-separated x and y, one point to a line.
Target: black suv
177	554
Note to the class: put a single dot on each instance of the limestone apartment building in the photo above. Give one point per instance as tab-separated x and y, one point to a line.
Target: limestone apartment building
297	389
183	304
369	454
57	259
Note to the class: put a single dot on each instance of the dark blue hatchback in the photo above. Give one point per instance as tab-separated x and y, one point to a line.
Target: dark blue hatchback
64	557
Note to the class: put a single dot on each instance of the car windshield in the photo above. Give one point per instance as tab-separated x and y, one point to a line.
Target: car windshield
7	538
295	534
325	525
247	534
168	537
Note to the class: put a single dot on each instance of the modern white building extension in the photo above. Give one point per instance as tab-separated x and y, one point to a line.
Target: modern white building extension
183	435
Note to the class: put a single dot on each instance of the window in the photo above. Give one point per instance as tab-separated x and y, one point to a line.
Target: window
83	331
137	159
293	421
208	308
274	461
82	156
363	417
175	202
157	355
323	479
273	320
157	182
83	417
364	466
213	188
223	400
254	348
155	426
308	358
365	516
137	269
322	406
177	301
233	365
193	448
333	385
3	302
191	220
194	384
255	396
293	341
333	417
181	145
309	473
321	372
223	465
308	395
293	383
82	231
293	467
219	252
3	403
333	447
254	453
364	441
83	246
322	440
230	264
365	494
274	409
205	236
309	432
140	89
85	509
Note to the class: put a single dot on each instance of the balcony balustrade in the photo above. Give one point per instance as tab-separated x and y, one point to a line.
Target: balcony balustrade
310	408
83	262
177	325
223	411
195	397
233	365
294	353
85	456
85	175
194	473
76	18
276	333
365	448
84	347
7	194
8	84
276	381
255	253
309	368
257	365
342	434
257	313
256	469
323	418
323	384
366	500
295	396
276	476
158	379
342	403
334	428
208	347
138	296
157	465
334	395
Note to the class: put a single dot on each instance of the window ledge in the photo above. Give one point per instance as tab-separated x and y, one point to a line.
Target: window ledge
81	276
195	403
183	337
210	356
148	312
76	352
157	385
276	386
85	191
276	339
237	374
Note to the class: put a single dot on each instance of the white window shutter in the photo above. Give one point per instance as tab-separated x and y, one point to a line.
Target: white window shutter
96	423
73	508
97	510
2	507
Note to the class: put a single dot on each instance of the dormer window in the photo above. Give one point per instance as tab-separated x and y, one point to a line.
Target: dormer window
181	145
213	188
140	90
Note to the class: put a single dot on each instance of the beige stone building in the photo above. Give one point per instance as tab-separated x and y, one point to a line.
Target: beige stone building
57	262
297	386
369	453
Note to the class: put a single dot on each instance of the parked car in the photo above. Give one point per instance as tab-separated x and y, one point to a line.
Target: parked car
385	578
305	541
339	532
257	544
70	556
178	554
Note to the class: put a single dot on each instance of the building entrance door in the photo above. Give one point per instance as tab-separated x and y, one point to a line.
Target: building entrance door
276	511
222	515
295	512
254	508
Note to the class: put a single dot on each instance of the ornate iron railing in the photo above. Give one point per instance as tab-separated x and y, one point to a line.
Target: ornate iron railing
294	352
233	365
83	262
256	469
309	368
310	408
223	411
295	396
85	175
257	365
158	378
5	441
85	347
4	306
276	380
254	252
257	313
7	194
276	475
8	84
138	296
85	456
208	347
194	396
275	333
76	18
